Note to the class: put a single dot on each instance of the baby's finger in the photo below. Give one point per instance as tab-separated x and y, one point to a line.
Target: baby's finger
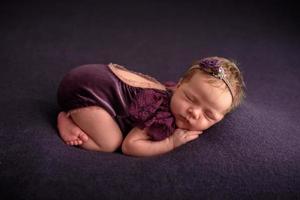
195	132
191	137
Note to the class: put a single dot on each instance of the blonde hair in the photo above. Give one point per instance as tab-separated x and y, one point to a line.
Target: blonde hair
233	75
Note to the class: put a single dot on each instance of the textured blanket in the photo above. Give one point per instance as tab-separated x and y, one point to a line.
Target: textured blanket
252	154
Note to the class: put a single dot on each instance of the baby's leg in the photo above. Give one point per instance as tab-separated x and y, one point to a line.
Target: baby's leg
103	132
69	131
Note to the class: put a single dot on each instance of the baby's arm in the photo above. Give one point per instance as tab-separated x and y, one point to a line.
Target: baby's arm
138	143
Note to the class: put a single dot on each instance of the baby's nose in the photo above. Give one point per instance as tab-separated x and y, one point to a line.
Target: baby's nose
195	113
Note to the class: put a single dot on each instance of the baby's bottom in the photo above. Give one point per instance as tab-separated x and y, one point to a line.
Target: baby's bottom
92	128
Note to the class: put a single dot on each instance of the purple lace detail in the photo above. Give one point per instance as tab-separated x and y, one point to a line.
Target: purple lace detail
151	109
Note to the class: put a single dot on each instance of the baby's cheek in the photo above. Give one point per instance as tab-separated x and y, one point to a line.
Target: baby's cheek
202	125
182	107
177	109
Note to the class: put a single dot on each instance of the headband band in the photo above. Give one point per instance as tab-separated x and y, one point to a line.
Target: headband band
212	67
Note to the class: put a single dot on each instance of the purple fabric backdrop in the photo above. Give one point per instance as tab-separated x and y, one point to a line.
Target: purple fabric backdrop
252	154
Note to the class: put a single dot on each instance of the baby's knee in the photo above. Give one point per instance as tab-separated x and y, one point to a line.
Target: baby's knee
111	146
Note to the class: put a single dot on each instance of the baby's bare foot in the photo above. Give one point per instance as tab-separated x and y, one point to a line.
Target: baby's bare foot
69	131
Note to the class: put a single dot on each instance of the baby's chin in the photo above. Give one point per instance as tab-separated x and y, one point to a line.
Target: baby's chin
180	124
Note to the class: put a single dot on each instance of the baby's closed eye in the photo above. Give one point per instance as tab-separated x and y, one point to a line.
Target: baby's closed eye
210	115
189	97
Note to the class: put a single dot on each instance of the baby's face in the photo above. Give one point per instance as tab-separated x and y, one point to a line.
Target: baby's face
197	104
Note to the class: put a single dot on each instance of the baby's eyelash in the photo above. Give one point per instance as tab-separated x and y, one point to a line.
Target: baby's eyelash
188	97
209	116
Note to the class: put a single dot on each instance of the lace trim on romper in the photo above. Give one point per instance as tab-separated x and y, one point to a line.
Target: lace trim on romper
139	79
119	71
151	108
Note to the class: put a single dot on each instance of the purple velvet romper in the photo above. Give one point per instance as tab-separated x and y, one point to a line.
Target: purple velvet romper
129	106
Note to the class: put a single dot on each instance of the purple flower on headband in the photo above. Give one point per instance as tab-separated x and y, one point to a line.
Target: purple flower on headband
211	66
209	63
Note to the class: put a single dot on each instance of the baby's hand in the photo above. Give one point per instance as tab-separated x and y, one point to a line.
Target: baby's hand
181	136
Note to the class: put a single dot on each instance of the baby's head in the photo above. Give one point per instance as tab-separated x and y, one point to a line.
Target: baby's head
210	88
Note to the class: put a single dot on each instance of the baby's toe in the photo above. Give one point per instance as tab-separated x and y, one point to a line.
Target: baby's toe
83	137
78	142
74	142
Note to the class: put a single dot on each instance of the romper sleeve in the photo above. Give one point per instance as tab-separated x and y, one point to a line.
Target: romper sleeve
151	109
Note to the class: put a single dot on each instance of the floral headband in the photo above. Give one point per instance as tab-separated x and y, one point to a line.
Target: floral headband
212	67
